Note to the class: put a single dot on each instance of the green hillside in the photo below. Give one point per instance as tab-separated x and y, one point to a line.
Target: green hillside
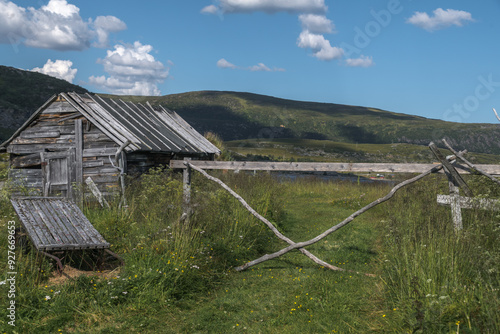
260	119
22	93
242	116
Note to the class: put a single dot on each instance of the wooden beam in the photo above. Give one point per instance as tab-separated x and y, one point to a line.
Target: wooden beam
453	172
95	191
186	187
79	160
470	203
340	167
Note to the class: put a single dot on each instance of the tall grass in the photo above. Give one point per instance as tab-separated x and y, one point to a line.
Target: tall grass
438	280
177	275
166	260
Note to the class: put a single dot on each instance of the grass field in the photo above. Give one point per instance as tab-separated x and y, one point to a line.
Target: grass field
292	149
178	278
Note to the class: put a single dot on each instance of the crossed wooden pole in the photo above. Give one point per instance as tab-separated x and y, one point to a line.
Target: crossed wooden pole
454	178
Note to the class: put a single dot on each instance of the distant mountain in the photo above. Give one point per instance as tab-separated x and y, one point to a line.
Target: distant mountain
22	93
246	116
241	116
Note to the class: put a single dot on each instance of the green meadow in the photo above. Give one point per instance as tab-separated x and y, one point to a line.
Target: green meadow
179	277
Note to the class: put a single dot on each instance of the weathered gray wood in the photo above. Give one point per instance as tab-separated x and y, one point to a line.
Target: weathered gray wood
62	129
70	117
59	108
341	224
37	148
102	170
456	213
197	137
453	172
27	221
96	192
40	134
262	219
151	131
38	226
90	164
54	223
186	188
31	141
99	152
25	160
100	120
470	203
102	178
67	233
479	170
79	159
321	166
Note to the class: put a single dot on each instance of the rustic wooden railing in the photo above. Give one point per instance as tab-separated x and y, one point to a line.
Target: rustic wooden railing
340	167
447	165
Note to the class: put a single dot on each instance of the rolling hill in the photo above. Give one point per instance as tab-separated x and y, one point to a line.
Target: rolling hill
244	116
252	123
22	93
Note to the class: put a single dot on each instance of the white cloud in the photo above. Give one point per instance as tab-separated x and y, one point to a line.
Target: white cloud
222	63
61	7
60	69
441	19
269	6
57	25
320	46
12	18
260	67
211	9
132	71
104	25
317	24
362	61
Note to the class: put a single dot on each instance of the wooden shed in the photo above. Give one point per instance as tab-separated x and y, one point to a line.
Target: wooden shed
72	137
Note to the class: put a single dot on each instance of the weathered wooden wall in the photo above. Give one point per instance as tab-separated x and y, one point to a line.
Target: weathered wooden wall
54	130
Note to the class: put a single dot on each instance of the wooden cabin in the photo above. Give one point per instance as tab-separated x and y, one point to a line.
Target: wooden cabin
73	137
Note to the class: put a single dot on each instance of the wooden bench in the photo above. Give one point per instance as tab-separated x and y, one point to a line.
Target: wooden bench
58	224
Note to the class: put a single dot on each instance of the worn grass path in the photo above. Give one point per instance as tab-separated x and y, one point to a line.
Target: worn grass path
292	294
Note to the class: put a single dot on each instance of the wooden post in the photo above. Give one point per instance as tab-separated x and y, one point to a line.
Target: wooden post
186	181
95	191
79	161
456	212
451	170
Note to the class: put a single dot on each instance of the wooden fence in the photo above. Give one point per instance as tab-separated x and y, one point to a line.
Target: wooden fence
340	167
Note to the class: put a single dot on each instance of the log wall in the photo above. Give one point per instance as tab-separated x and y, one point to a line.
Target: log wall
54	130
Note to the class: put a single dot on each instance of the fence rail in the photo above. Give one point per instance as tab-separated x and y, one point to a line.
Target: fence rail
340	167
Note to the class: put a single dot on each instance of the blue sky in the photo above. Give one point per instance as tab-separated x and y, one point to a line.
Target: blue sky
437	59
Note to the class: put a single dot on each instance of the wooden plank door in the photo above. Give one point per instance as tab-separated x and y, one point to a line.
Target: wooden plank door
58	173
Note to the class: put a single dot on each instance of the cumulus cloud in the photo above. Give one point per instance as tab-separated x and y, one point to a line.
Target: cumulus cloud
57	25
12	19
317	24
212	9
61	69
132	71
362	61
104	25
320	46
441	19
268	6
222	63
260	67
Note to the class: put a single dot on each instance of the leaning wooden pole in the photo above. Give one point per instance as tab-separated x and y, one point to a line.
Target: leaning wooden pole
461	157
264	220
340	225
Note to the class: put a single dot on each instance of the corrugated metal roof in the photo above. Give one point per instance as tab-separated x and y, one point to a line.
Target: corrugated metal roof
146	128
54	223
